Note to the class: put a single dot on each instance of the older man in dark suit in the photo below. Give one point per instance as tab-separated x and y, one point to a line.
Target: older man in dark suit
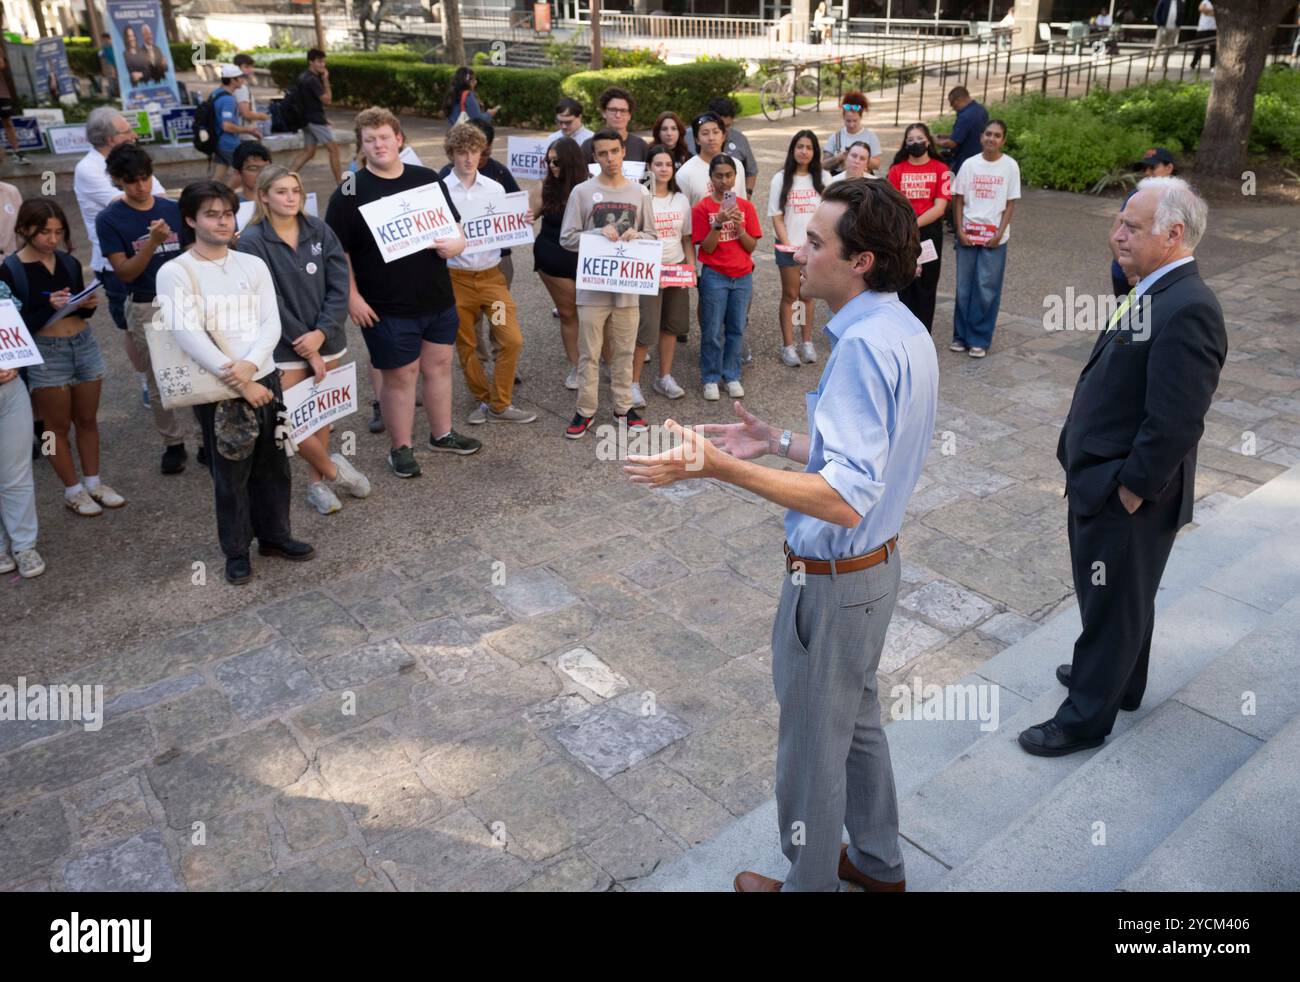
1129	452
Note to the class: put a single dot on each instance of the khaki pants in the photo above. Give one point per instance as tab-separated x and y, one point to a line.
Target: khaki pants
485	292
487	349
139	315
595	324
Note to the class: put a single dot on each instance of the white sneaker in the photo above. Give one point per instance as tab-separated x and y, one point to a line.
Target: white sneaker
320	497
107	497
790	357
735	390
571	380
807	352
956	346
83	504
647	357
667	386
478	414
30	563
977	352
7	564
349	478
711	391
638	400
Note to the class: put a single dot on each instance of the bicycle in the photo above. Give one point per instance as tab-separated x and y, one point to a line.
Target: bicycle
788	92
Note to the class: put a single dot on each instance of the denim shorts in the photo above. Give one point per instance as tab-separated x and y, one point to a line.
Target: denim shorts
785	260
394	342
68	361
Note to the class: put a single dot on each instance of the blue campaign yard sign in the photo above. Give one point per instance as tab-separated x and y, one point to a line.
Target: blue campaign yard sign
178	124
29	134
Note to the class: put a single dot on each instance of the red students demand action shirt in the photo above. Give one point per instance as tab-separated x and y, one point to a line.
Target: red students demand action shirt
730	257
922	185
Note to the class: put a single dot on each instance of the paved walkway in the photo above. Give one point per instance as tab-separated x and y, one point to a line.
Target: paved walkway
521	671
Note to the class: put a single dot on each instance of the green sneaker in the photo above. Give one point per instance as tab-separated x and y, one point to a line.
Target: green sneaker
453	442
402	461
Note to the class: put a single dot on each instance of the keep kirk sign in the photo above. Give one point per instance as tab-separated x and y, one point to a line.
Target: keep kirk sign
495	222
409	221
526	158
618	267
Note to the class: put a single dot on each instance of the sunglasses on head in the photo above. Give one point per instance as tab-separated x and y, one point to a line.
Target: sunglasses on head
850	107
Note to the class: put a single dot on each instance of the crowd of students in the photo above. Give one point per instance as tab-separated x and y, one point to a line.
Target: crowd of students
168	264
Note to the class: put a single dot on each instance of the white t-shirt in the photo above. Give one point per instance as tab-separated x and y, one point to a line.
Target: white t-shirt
799	206
1205	22
1171	19
672	221
843	139
95	192
693	179
483	187
985	187
581	137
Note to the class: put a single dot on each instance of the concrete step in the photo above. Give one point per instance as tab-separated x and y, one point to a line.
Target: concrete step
943	769
1243	837
1103	820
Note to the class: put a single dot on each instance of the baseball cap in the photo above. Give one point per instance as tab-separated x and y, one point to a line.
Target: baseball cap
231	71
1156	155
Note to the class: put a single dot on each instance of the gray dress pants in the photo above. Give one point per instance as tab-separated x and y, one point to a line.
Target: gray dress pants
832	758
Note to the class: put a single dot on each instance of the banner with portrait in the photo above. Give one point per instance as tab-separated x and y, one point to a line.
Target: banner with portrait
54	76
144	59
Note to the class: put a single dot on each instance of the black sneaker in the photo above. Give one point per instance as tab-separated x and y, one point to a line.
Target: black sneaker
290	549
173	459
238	570
632	419
376	419
402	461
578	428
453	442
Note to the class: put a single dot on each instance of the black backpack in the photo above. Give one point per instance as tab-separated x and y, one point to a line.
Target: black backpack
291	114
18	274
207	131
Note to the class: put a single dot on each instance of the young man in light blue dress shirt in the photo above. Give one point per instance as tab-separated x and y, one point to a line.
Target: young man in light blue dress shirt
870	424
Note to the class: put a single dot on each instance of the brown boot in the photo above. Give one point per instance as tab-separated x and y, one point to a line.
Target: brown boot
854	875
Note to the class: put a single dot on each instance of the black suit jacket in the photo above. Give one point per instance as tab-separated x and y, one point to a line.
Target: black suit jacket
1139	405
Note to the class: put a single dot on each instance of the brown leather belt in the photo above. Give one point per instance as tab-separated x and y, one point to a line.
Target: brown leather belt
824	567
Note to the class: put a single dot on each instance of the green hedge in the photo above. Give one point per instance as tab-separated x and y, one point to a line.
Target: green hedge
1072	144
527	96
684	89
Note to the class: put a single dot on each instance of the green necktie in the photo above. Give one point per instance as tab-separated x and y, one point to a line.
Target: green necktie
1121	309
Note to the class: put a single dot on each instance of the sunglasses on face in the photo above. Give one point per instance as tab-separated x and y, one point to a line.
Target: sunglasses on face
552	162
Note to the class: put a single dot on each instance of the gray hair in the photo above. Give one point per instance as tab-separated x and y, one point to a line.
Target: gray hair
99	126
1178	204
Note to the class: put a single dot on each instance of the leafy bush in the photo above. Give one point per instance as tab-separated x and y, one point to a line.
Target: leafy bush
636	58
685	89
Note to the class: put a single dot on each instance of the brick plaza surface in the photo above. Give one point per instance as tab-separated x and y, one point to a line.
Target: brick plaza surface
563	698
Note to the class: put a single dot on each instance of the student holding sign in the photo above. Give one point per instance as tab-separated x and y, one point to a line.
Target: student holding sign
610	205
481	287
222	307
795	194
666	315
66	387
726	231
405	308
984	197
310	272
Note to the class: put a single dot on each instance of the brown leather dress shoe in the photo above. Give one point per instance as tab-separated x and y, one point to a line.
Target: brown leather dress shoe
854	875
748	882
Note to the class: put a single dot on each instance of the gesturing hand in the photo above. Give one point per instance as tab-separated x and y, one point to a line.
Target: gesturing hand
695	456
746	440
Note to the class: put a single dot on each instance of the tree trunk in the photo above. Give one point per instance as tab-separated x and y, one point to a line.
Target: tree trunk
320	28
92	22
41	29
169	20
453	38
597	56
1246	29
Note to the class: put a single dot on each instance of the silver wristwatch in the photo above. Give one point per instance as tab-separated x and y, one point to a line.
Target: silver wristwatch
783	447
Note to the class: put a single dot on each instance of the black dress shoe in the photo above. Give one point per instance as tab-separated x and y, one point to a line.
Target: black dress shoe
173	459
1063	675
238	570
290	549
1049	740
